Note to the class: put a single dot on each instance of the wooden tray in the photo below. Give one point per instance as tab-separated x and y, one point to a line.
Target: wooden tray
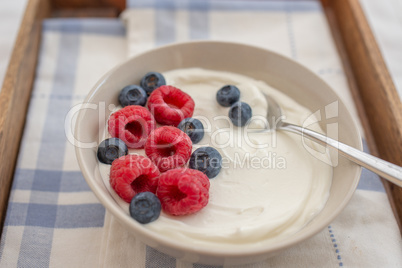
374	93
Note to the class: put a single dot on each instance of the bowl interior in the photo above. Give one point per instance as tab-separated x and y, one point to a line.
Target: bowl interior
281	73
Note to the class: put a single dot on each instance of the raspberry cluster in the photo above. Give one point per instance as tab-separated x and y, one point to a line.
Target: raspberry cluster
159	180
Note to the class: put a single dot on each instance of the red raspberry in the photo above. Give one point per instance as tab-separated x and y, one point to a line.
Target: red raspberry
168	147
183	191
133	174
132	124
170	105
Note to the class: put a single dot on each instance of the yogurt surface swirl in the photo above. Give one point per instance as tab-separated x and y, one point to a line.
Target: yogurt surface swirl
270	185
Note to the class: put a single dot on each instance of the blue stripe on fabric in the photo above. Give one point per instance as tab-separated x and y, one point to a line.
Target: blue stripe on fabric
16	214
80	216
50	180
228	5
34	251
23	179
155	258
199	20
333	240
266	5
73	181
88	26
56	216
41	215
51	152
369	180
165	31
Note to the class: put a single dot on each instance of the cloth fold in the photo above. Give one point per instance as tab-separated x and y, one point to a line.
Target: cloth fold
365	234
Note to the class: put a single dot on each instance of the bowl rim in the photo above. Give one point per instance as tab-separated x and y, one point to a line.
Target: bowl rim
164	241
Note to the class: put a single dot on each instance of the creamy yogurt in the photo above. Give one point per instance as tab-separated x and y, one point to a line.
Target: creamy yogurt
269	187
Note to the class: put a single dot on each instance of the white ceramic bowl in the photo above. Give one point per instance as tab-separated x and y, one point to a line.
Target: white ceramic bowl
282	73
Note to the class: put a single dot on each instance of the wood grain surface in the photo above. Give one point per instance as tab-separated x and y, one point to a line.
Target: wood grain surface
15	94
85	13
119	5
87	8
375	94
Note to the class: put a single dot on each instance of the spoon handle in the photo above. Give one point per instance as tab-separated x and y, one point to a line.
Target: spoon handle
384	169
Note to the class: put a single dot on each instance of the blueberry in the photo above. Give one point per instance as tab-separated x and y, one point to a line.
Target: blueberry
145	207
193	128
240	113
228	95
111	149
133	95
152	81
207	160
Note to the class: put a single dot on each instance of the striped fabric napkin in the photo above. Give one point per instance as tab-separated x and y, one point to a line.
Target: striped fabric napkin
53	218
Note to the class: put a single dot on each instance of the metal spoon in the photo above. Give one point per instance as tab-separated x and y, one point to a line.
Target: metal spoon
384	169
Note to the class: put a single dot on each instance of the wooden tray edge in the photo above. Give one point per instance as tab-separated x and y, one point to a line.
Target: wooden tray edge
374	93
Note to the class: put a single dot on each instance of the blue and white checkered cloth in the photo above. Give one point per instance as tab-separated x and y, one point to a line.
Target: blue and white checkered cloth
53	218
